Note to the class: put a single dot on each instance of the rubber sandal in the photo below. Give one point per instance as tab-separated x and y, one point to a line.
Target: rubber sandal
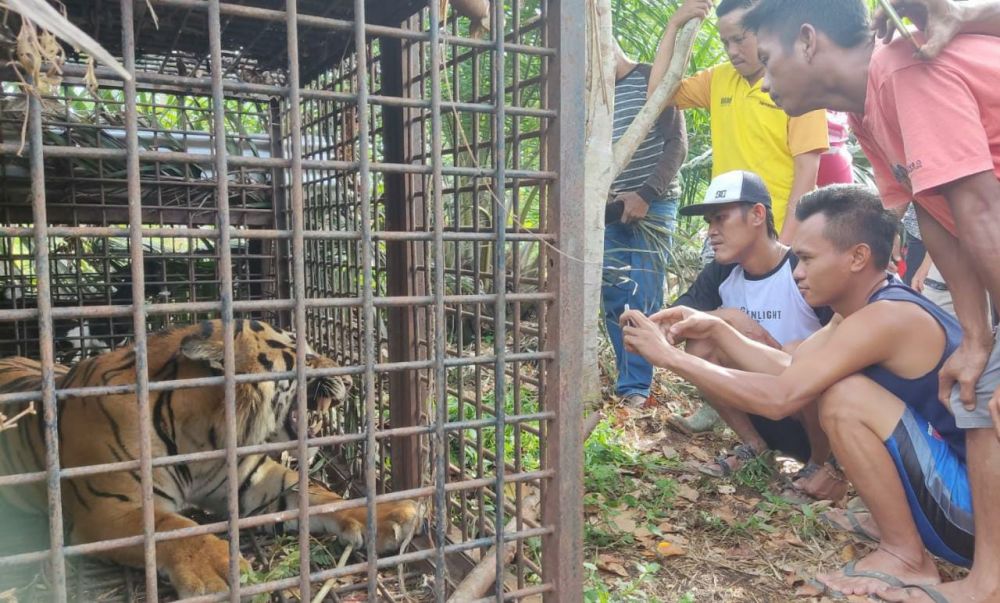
928	589
850	571
720	467
856	527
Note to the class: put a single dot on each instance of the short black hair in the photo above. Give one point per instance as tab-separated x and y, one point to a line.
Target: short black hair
846	22
727	6
772	232
854	216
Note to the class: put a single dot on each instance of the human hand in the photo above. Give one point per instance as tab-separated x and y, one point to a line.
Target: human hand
940	20
681	323
964	367
691	9
920	275
644	337
635	207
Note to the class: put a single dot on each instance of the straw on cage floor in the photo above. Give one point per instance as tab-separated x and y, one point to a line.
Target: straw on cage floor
89	579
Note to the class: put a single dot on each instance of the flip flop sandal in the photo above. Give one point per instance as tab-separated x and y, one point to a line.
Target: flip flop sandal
857	528
850	571
720	467
928	589
822	590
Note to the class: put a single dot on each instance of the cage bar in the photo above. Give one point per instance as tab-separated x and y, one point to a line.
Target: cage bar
369	175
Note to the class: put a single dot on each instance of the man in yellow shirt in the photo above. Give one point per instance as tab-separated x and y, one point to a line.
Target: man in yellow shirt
749	132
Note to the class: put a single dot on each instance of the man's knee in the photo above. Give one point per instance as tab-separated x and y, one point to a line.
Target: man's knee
843	402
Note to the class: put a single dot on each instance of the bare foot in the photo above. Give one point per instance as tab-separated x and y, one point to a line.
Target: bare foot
959	590
883	562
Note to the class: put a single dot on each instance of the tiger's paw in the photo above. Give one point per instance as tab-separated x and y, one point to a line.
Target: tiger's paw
396	522
199	565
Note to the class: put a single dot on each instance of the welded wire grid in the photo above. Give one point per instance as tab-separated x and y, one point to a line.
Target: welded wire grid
396	205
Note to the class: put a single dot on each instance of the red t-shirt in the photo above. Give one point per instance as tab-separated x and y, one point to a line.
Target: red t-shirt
928	123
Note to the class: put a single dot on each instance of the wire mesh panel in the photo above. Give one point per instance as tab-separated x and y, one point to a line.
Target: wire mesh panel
288	305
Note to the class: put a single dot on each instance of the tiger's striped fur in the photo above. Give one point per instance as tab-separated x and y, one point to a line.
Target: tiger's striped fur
104	429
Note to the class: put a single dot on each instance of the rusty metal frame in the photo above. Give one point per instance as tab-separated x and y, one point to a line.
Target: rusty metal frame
422	244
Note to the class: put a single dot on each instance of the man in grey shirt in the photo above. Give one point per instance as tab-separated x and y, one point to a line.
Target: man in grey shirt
643	210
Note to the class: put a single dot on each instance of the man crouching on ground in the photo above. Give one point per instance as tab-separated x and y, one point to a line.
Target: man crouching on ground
749	284
874	371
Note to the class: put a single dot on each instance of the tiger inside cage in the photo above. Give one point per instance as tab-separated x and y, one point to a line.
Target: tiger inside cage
281	299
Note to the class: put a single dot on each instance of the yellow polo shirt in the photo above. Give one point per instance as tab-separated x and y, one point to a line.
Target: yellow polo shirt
750	132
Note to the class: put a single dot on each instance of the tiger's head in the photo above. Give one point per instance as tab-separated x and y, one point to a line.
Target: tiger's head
265	409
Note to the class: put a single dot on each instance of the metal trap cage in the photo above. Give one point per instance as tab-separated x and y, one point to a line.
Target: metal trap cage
378	177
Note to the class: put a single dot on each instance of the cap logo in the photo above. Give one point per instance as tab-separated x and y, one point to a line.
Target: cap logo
721	194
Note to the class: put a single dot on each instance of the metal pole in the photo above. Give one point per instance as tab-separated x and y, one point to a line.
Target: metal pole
298	285
562	497
440	373
499	279
367	293
221	166
56	557
138	302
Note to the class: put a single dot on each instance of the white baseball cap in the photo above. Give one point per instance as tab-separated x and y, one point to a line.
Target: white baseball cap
738	186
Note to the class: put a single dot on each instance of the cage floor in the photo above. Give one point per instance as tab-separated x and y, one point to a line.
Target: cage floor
272	557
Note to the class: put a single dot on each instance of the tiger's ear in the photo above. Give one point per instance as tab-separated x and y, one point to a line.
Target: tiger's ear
202	349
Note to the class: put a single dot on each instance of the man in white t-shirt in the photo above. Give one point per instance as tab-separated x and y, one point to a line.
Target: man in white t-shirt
750	286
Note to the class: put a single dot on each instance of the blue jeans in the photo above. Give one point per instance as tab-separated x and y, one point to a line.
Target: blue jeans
634	272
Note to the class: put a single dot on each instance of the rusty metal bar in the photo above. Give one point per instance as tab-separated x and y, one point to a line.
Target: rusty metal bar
562	498
267	519
260	377
368	356
69	152
322	441
256	305
221	166
138	302
440	372
521	593
260	233
49	404
291	19
348	26
210	455
381	564
499	278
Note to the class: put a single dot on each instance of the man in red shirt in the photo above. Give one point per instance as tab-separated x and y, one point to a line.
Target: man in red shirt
932	132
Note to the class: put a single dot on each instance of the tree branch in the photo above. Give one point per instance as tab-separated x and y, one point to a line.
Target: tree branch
657	102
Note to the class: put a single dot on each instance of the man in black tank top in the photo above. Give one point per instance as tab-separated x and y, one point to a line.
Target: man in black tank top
872	371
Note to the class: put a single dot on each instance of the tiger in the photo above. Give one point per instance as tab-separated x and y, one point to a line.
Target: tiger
105	429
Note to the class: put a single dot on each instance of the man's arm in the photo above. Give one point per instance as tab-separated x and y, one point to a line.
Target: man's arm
675	148
691	9
867	338
806	166
724	329
969	297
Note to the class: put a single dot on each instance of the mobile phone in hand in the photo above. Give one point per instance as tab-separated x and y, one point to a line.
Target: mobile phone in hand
628	323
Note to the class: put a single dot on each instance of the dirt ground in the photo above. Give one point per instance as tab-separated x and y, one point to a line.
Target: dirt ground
710	539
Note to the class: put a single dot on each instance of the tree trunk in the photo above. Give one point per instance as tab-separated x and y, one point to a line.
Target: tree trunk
598	177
